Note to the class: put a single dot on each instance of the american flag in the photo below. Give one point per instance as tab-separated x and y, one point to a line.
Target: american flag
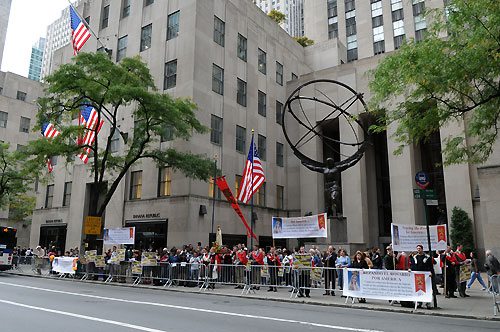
79	32
49	131
253	175
88	118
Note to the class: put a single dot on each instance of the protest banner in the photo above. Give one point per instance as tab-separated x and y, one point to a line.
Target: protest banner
301	260
406	237
300	227
136	267
100	261
388	285
465	272
118	257
90	256
64	265
149	259
113	236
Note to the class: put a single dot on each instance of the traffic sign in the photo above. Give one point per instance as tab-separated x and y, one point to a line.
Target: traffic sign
422	180
92	225
424	194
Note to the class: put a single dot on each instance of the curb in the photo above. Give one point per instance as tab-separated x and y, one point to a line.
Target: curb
263	298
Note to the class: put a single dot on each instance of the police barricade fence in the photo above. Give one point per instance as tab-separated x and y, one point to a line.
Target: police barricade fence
223	274
494	289
188	275
306	279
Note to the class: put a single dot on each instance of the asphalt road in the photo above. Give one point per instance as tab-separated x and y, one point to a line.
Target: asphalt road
33	304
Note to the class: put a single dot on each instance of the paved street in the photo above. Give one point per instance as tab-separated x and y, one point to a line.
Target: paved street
32	304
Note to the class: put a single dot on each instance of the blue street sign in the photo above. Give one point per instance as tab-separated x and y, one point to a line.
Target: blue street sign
422	180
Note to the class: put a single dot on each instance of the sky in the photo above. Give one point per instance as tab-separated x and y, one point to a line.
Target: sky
27	23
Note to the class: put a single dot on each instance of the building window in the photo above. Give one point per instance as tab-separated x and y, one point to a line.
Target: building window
240	139
67	193
349	5
398	41
350	26
105	17
262	104
164	181
219	31
279	154
24	126
280	197
21	147
87	19
242	48
211	188
121	49
418	8
333	29
262	61
21	96
217	79
49	196
167	134
261	196
136	185
332	8
146	37
125	8
279	73
237	181
148	2
170	79
173	25
379	47
241	93
397	15
115	141
279	113
377	21
352	54
420	35
216	130
261	149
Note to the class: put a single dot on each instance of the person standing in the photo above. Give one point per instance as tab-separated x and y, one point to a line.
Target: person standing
343	261
377	258
475	272
304	276
389	259
421	262
359	262
273	263
329	265
257	263
461	261
449	262
492	268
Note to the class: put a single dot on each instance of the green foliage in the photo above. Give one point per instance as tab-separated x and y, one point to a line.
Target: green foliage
461	229
439	80
116	91
21	207
14	178
304	41
277	16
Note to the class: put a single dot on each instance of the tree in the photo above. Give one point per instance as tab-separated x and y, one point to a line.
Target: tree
277	16
304	41
116	91
461	229
15	182
439	80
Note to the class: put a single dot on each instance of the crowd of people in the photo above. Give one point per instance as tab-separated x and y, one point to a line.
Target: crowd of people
237	264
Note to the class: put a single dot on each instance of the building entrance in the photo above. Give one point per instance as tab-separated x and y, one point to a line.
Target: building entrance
53	236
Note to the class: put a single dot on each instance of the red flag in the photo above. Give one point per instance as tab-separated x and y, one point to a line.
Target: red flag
222	184
441	233
420	282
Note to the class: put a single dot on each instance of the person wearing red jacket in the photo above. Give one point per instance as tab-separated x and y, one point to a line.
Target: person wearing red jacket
273	263
240	260
257	260
461	260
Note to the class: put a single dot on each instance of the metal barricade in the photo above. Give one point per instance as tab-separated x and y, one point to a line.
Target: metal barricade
307	279
495	291
188	275
40	265
272	276
223	274
121	273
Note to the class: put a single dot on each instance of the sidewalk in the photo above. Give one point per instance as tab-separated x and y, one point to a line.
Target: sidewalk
478	306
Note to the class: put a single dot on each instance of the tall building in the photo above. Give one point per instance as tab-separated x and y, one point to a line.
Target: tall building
58	35
293	10
4	22
240	67
36	60
17	118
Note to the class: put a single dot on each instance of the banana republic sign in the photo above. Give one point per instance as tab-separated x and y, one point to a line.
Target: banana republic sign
146	216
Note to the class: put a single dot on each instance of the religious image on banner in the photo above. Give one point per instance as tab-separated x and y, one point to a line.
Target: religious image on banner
354	283
277	225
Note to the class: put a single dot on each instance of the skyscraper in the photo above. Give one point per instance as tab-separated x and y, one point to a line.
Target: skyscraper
58	35
4	22
36	60
293	10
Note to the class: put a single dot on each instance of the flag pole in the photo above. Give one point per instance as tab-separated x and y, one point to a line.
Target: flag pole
251	189
88	26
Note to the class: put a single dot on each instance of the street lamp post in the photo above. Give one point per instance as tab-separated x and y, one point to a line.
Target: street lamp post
213	193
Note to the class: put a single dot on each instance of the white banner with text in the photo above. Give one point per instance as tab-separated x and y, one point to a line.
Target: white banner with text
119	235
64	265
407	237
388	285
300	227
